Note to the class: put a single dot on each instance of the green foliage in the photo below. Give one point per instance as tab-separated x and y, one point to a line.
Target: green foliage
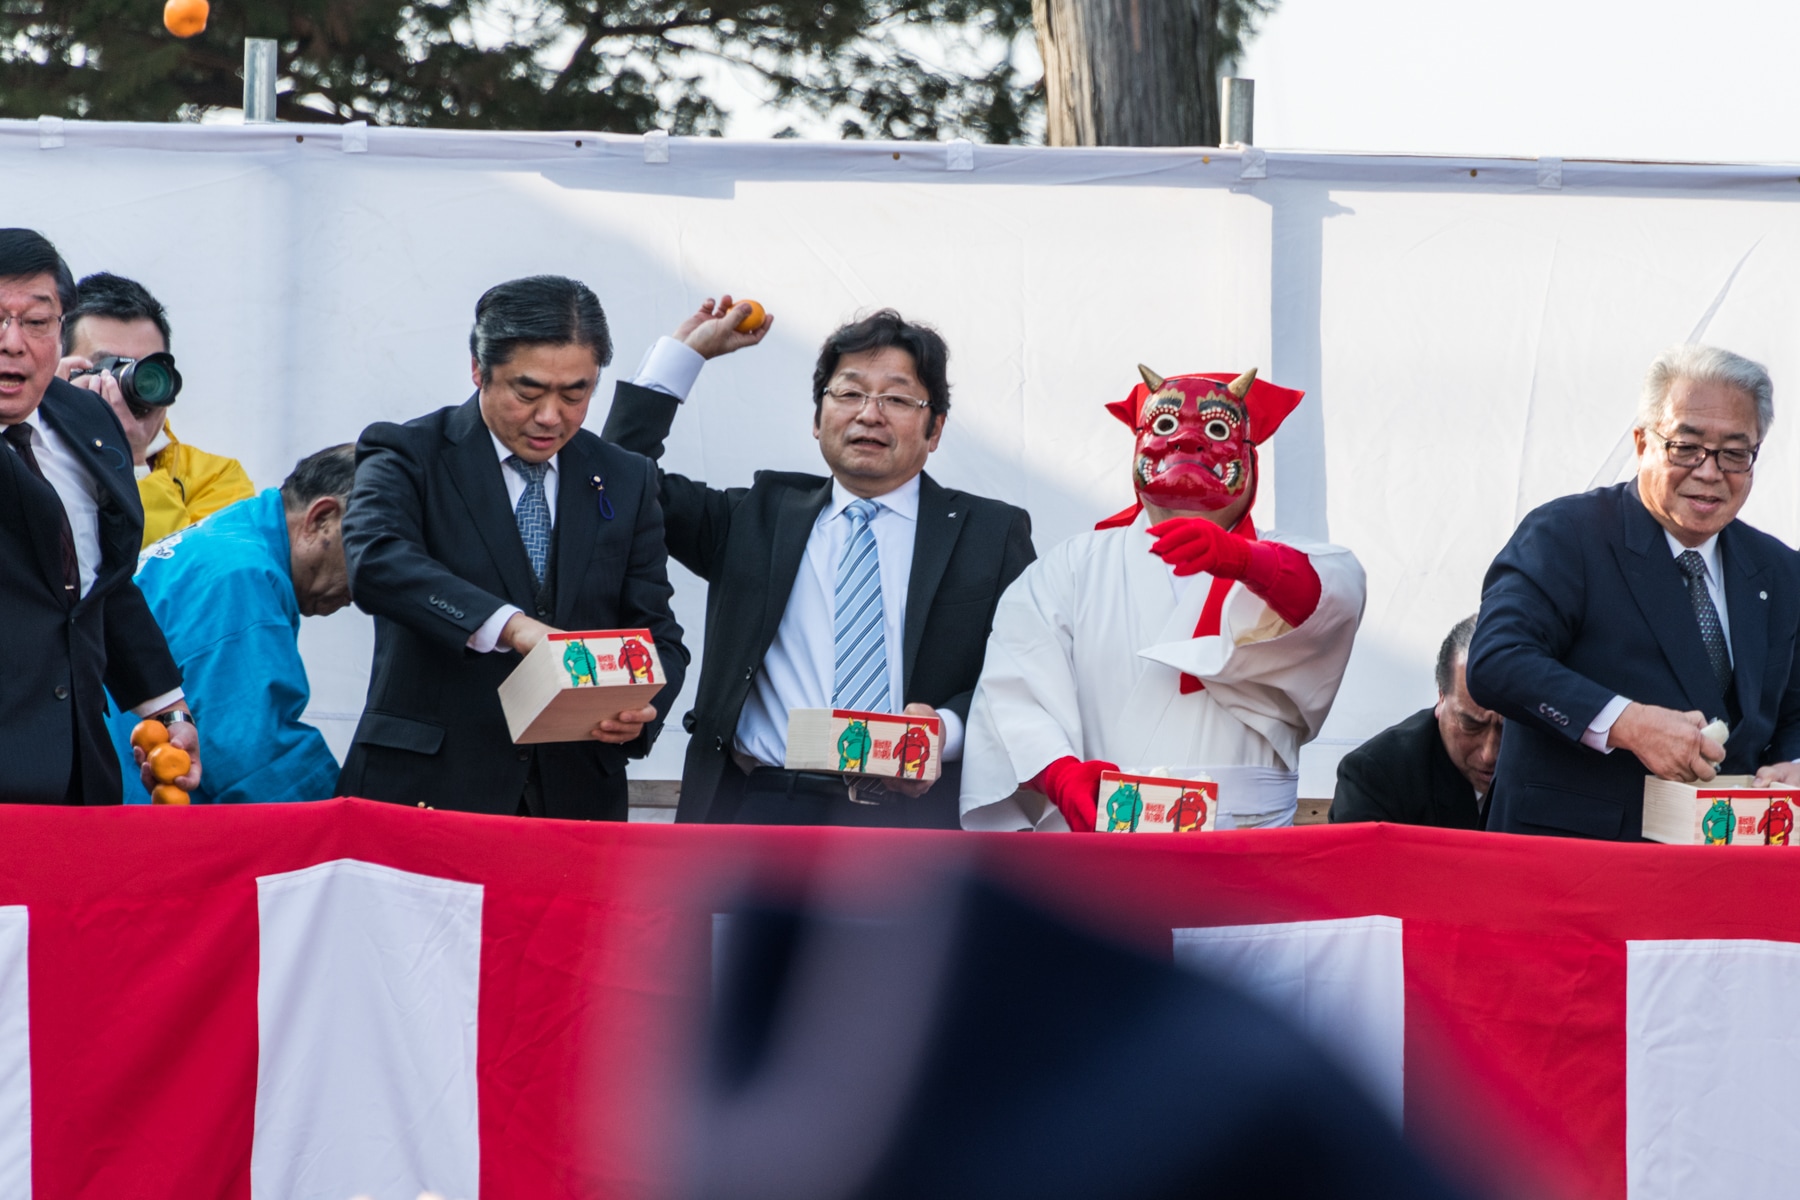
614	65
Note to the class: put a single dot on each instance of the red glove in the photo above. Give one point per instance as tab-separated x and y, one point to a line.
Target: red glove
1281	576
1074	787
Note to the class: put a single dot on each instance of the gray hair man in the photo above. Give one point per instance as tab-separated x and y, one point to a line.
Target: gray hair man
1617	626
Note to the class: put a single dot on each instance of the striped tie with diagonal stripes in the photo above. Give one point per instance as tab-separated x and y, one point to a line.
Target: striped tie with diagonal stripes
861	677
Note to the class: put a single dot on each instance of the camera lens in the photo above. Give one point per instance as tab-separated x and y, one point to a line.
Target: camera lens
152	380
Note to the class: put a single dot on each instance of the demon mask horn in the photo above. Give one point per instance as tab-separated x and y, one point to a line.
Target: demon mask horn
1154	382
1239	387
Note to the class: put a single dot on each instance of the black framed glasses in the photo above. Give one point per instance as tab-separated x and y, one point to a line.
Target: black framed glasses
1733	460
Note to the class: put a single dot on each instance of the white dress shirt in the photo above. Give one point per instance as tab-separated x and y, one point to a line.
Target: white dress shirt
799	670
80	496
487	637
1600	730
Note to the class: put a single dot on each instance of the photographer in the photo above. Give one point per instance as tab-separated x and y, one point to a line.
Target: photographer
115	342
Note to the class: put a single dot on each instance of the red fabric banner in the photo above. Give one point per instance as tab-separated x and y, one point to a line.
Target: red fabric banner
150	947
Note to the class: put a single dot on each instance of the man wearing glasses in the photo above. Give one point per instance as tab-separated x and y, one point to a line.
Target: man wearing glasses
1618	624
871	588
76	626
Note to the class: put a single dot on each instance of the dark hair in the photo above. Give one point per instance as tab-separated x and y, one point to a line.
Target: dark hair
884	330
107	295
540	310
329	472
1455	646
26	252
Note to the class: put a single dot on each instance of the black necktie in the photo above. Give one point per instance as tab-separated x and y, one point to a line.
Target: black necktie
1694	567
20	437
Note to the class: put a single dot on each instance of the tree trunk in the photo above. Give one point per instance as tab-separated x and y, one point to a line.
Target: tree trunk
1130	72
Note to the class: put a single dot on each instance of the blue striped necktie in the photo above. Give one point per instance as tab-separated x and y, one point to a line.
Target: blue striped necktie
533	513
861	677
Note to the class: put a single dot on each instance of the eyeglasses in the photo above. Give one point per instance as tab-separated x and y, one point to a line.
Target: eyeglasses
37	326
1733	460
851	400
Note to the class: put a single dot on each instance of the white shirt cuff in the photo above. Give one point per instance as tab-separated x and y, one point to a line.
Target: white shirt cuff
159	703
952	748
483	640
1601	728
670	367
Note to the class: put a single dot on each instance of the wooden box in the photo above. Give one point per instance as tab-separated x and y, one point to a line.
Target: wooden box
1725	812
570	682
1156	804
847	742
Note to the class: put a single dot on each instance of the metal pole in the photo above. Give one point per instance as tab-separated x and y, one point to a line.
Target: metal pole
259	81
1237	112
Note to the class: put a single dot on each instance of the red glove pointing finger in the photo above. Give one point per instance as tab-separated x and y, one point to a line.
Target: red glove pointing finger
1281	576
1074	787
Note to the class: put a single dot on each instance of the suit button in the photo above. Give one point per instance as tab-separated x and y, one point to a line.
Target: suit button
62	693
719	744
749	672
522	755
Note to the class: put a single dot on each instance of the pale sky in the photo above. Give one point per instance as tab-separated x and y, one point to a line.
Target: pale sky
1655	79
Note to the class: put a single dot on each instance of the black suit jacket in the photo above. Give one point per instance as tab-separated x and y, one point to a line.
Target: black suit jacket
434	550
748	543
1584	603
57	660
1403	774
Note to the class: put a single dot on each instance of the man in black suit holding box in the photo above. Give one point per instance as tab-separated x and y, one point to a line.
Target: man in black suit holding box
871	588
475	531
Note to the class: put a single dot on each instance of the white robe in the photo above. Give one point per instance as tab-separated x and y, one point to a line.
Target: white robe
1086	657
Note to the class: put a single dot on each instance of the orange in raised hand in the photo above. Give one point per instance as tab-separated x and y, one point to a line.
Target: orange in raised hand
169	763
754	321
150	734
185	18
167	793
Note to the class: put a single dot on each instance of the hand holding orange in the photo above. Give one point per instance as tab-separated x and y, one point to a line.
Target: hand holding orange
150	734
169	763
185	18
167	793
754	321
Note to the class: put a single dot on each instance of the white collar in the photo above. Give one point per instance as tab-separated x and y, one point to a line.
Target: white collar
501	450
903	501
1708	551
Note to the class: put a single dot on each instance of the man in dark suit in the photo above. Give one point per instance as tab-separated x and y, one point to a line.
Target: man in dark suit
871	588
1627	619
75	624
1434	768
475	531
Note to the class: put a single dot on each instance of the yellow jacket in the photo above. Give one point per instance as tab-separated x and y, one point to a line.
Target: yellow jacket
186	484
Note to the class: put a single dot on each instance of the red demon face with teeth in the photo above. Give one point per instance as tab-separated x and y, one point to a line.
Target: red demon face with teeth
1193	445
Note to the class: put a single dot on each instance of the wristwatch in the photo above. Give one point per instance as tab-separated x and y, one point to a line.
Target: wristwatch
176	717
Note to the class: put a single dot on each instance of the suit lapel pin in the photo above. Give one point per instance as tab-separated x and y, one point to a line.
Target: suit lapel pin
1762	595
606	508
953	514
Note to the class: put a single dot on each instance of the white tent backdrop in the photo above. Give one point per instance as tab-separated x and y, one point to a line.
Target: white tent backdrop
1471	339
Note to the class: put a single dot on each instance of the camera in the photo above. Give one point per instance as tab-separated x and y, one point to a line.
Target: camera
146	383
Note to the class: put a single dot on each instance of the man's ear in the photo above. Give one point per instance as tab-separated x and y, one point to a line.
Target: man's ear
937	429
475	371
1637	436
321	513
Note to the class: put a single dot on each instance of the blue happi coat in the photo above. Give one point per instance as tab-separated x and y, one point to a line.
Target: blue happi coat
223	593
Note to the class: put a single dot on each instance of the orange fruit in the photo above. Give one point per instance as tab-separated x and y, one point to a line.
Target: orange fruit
169	763
185	18
167	793
150	734
754	321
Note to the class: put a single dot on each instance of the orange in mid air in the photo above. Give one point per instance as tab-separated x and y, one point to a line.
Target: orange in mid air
754	321
185	18
167	793
149	734
169	763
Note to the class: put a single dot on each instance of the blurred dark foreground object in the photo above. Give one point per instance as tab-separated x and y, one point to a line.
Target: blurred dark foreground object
980	1048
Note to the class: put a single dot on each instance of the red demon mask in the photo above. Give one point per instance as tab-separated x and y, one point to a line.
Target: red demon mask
1197	436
